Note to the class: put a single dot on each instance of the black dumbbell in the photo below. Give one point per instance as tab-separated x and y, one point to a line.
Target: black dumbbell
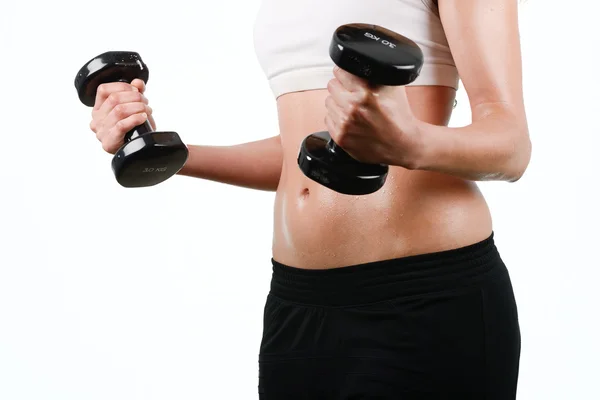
146	158
382	57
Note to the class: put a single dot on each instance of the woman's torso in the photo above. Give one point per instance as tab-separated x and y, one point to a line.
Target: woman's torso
416	211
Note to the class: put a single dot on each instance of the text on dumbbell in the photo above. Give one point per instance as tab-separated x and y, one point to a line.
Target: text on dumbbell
378	39
163	169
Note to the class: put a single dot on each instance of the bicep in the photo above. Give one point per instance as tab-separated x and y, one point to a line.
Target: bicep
484	40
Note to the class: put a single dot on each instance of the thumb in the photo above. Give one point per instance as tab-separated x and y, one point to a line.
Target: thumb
139	84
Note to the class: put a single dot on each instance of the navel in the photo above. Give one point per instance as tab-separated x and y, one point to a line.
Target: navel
304	194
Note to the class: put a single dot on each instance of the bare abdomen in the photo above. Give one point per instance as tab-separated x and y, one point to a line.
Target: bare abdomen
416	212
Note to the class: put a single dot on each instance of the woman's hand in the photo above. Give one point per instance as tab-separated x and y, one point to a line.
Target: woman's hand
373	125
119	108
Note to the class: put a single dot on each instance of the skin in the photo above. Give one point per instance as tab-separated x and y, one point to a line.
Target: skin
430	202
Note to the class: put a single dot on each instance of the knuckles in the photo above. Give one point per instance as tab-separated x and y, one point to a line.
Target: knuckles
112	100
362	98
102	90
120	128
122	104
330	85
120	110
107	146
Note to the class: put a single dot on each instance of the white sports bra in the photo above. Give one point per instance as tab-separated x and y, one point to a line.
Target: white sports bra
291	38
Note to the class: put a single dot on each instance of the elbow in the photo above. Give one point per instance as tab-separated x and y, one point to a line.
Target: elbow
515	147
520	157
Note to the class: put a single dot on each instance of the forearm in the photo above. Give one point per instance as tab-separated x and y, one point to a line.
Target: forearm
496	146
253	165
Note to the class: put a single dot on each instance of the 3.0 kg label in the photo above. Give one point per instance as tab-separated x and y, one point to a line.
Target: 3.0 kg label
163	169
378	39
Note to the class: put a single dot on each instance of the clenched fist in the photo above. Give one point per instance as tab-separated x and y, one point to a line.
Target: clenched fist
119	107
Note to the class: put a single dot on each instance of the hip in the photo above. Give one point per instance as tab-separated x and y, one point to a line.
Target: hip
442	323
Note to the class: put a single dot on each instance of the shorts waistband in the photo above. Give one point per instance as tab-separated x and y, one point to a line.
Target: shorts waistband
388	279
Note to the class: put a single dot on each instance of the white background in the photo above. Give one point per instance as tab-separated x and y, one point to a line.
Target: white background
157	293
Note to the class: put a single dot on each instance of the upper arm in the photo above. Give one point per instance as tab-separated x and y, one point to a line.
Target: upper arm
484	40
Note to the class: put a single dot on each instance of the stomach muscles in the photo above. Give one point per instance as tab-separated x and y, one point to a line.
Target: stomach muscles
415	212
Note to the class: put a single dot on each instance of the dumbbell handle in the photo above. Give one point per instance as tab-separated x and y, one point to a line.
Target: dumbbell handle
336	149
138	131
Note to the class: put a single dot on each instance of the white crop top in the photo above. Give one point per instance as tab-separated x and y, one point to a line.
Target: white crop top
292	37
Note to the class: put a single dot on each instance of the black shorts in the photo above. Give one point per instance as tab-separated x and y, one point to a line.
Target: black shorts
441	325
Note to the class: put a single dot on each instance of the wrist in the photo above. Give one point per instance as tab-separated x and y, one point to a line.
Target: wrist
432	145
190	163
421	152
424	148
